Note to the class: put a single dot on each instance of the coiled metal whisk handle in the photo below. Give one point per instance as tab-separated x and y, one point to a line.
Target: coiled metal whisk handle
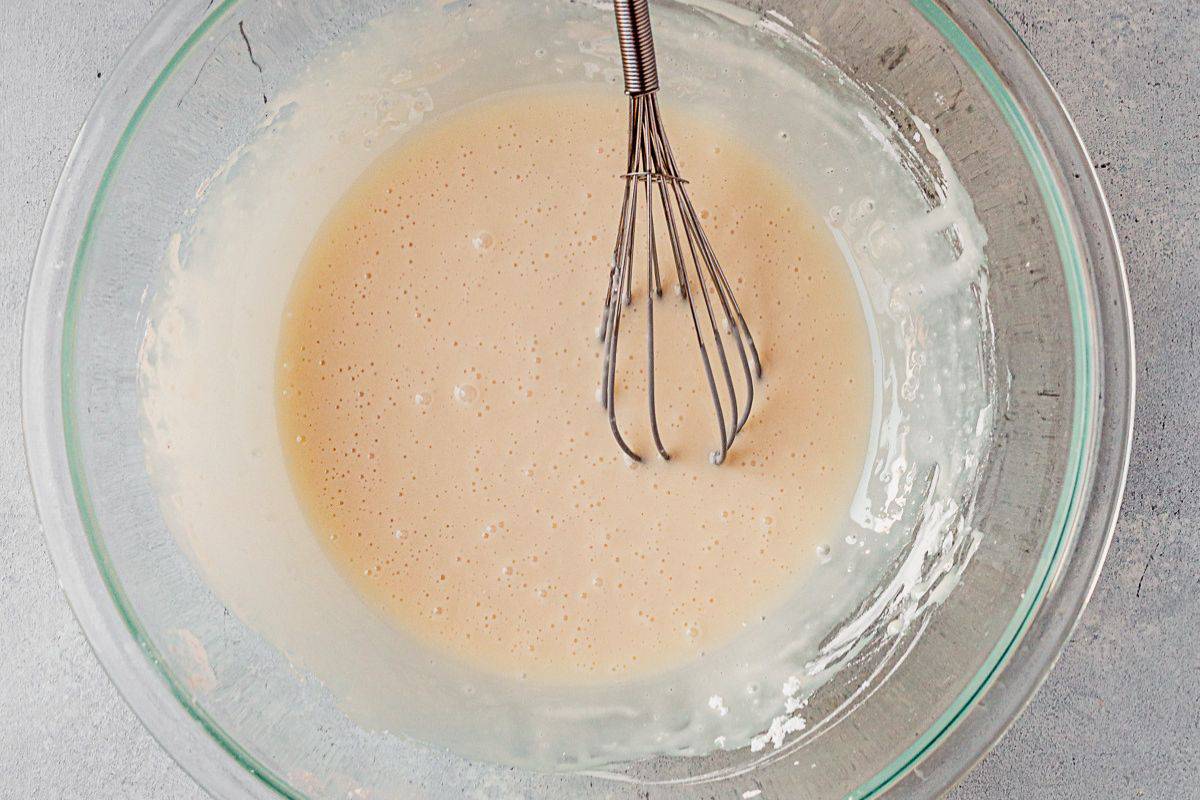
637	46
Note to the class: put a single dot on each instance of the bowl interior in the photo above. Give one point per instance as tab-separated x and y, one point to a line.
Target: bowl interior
867	728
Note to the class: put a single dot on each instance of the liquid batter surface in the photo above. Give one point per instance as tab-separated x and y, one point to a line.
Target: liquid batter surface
436	384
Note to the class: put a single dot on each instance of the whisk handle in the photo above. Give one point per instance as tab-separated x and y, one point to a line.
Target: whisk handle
637	46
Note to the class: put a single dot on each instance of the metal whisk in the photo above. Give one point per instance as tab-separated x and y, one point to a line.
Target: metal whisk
652	170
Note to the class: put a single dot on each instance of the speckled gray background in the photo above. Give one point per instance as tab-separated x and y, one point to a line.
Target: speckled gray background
1120	715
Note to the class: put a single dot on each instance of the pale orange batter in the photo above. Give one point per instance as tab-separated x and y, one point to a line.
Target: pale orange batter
437	378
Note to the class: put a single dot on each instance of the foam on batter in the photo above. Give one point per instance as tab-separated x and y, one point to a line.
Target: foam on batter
437	380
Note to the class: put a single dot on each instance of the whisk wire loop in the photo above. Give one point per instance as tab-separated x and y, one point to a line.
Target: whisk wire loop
651	164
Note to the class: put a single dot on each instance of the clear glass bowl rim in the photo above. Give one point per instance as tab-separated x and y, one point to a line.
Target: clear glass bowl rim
1070	563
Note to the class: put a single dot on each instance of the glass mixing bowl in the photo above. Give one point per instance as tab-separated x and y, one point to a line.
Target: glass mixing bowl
244	723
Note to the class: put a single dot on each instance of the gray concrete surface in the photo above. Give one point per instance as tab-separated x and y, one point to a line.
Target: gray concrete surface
1120	715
